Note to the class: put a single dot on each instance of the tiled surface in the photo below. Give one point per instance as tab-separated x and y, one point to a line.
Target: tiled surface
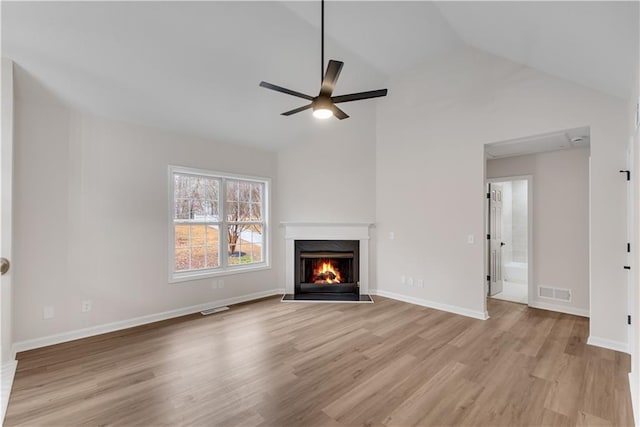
515	292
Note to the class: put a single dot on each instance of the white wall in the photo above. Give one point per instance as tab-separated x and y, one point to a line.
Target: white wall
92	216
560	220
431	133
429	138
331	176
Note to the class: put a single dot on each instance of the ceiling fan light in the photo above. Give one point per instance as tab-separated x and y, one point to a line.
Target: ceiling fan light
322	113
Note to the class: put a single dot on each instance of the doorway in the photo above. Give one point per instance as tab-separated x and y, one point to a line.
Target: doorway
557	250
508	239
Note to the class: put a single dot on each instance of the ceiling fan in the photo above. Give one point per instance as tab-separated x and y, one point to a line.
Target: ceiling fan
324	105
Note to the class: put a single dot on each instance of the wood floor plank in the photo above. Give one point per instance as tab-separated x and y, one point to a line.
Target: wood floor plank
566	386
390	363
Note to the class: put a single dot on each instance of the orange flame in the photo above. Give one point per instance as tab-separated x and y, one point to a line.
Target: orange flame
325	271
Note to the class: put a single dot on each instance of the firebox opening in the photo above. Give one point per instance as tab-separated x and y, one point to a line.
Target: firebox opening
327	266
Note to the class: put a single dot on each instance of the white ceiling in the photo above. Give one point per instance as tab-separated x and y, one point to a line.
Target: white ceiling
390	35
194	67
594	43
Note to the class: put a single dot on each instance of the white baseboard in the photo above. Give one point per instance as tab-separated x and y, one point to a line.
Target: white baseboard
7	372
136	321
559	308
633	386
431	304
606	343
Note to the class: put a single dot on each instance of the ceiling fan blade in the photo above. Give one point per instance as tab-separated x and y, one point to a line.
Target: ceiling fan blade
297	110
285	90
339	113
358	96
331	77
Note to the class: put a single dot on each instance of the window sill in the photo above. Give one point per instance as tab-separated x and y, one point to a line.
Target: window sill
187	277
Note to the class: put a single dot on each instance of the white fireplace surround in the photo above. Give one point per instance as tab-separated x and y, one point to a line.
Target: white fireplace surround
325	231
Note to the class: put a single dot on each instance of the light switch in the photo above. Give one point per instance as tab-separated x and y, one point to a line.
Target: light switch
392	235
471	239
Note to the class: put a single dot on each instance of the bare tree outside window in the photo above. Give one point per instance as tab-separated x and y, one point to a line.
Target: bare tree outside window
244	219
200	216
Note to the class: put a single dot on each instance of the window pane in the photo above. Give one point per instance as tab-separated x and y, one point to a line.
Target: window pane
233	211
197	257
181	186
181	235
198	209
244	191
233	236
213	236
256	192
211	187
245	244
182	259
232	191
213	257
244	201
181	209
195	197
198	235
243	212
256	212
211	210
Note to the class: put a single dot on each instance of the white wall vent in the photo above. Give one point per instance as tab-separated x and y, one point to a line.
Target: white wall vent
562	294
558	294
545	292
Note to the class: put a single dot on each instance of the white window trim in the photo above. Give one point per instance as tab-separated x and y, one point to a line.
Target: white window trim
223	269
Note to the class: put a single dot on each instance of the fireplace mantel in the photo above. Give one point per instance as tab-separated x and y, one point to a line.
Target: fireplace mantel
326	231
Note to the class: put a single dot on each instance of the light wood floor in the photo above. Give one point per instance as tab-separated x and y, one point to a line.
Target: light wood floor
295	364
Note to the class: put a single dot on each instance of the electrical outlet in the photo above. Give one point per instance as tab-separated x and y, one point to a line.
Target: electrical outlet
48	312
410	281
86	305
420	283
214	284
392	235
403	280
220	284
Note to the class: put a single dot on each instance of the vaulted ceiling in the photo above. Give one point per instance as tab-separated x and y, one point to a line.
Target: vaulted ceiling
194	67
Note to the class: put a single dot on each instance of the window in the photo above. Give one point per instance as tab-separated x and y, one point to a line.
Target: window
211	211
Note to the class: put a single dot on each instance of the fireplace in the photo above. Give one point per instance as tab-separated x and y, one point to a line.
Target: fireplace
326	262
327	266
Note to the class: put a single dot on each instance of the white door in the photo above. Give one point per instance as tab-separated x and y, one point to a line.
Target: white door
6	170
495	239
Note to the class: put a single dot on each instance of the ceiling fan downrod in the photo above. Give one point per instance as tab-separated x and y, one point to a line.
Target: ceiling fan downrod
324	105
321	41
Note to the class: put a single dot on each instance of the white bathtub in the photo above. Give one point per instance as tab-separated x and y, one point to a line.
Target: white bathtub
516	272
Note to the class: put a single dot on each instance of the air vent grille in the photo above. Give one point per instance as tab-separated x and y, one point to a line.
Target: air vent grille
558	294
545	292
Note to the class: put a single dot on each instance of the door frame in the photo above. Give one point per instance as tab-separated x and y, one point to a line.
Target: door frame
8	363
531	288
632	277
